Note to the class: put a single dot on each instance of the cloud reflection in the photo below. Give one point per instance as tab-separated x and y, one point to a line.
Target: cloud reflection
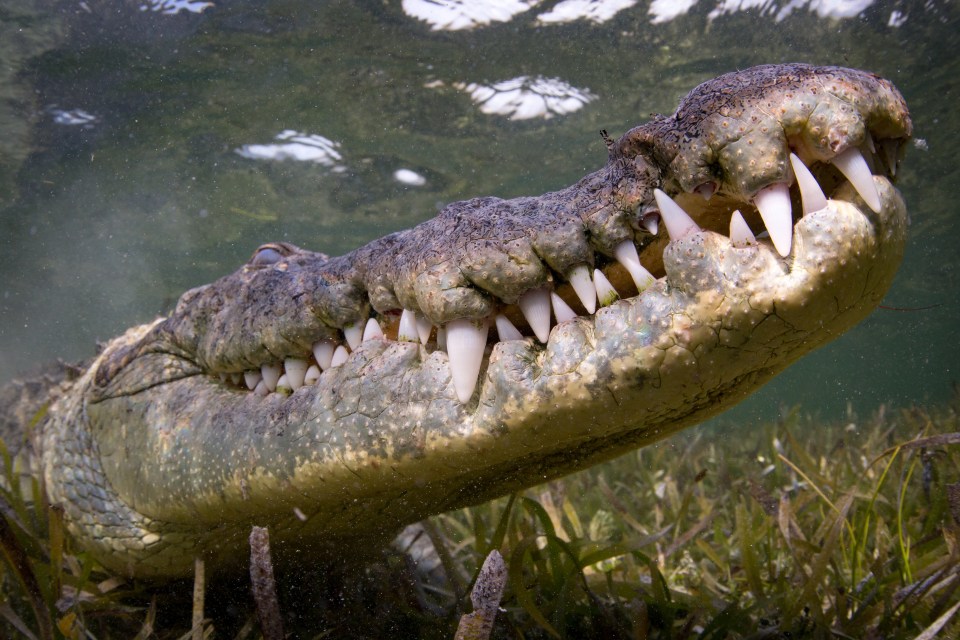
526	97
294	145
457	15
596	11
173	7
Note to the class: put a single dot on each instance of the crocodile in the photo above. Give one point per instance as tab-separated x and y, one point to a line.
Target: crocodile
503	343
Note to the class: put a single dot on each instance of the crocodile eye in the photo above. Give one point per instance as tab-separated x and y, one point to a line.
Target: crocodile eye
267	254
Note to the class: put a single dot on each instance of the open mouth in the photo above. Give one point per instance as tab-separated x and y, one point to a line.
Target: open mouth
503	342
764	223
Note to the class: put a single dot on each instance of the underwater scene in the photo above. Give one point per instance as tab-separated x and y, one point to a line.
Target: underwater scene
148	147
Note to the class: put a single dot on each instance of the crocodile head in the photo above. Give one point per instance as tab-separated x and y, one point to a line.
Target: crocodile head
503	343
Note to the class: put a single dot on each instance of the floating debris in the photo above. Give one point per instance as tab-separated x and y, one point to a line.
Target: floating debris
263	585
485	598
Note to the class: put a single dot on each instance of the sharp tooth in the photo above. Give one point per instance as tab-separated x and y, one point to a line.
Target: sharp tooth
312	375
323	352
773	202
283	384
295	369
810	193
579	279
679	223
372	331
271	373
606	294
354	334
465	344
740	234
261	389
251	378
424	327
651	222
535	305
561	310
408	327
340	356
223	376
235	378
506	330
854	167
626	254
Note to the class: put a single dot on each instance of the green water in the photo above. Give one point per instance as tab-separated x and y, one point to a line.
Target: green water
104	224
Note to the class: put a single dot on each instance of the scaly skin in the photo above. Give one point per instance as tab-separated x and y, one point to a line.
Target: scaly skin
155	460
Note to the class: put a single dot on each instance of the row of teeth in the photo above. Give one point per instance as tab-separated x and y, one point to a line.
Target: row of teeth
465	340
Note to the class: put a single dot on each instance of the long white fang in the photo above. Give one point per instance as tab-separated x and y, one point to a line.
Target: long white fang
354	334
651	222
679	223
852	165
561	310
408	327
283	384
773	202
506	330
465	344
295	370
312	375
579	278
323	352
372	331
271	373
740	234
340	356
424	327
535	305
251	378
811	195
606	294
626	254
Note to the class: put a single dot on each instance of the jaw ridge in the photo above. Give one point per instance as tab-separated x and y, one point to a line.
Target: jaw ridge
691	271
